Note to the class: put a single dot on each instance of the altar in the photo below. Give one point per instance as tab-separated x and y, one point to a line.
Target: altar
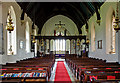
59	55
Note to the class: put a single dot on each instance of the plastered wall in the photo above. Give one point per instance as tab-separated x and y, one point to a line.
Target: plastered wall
101	34
20	33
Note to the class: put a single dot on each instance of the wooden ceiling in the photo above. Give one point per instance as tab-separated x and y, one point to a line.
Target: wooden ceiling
79	12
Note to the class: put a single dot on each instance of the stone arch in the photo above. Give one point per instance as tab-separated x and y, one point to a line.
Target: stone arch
50	23
27	37
93	37
13	37
109	16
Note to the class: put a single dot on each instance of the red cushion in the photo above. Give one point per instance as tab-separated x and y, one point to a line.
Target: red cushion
83	68
95	77
16	69
117	71
108	68
110	77
40	69
3	69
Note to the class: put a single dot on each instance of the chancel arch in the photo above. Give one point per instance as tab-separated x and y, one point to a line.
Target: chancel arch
49	26
60	46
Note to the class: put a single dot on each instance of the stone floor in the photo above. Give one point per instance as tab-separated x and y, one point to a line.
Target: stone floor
68	69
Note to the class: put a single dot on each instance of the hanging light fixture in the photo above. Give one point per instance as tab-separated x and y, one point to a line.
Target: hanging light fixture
117	21
33	40
10	28
42	43
73	44
88	41
78	42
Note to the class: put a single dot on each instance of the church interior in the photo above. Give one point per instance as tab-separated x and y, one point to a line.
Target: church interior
69	42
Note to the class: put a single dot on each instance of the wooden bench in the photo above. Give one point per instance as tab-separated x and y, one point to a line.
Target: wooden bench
24	75
85	69
39	65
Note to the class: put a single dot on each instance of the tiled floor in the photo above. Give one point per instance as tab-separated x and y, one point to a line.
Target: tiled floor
68	69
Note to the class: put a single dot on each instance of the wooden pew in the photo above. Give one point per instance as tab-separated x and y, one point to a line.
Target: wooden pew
24	75
80	66
95	76
38	65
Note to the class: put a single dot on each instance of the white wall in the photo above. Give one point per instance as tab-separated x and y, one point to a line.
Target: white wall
0	27
21	53
99	30
49	26
100	34
119	39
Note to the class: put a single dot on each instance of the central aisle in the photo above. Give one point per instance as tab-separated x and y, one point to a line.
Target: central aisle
61	73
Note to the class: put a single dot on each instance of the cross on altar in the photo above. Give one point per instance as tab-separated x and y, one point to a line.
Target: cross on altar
59	25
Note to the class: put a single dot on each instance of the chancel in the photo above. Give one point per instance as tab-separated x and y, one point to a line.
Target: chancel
67	42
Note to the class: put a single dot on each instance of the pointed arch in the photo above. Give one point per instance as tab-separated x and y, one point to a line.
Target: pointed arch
93	37
49	27
27	37
11	37
110	32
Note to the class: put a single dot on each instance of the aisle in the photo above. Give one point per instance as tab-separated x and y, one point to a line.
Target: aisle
61	73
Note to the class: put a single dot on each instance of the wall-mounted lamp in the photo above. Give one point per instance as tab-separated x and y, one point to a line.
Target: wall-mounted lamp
87	41
10	28
33	41
78	42
42	43
117	21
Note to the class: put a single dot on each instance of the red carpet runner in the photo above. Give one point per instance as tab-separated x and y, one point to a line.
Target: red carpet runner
61	73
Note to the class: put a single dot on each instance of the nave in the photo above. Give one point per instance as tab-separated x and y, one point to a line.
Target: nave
72	69
60	41
32	70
